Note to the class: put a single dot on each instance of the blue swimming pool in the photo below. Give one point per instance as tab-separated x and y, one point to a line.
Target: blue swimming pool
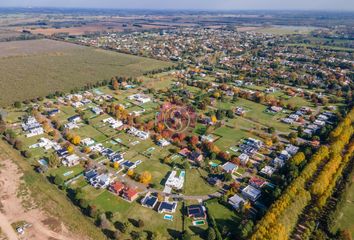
182	174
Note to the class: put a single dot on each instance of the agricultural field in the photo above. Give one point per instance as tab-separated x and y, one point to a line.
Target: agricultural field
58	66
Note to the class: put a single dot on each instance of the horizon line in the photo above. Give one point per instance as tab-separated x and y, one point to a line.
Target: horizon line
177	9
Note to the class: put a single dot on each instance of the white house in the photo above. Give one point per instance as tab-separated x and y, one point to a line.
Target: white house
235	201
175	182
71	160
268	170
140	98
251	193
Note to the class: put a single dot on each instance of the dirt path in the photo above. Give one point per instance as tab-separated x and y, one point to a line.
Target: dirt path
17	205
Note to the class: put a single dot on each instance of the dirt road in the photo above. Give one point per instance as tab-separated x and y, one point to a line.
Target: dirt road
16	205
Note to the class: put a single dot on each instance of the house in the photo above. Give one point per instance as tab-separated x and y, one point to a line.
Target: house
167	207
240	111
113	122
235	201
268	170
140	134
244	158
97	110
251	193
62	152
117	157
87	142
196	156
320	123
71	160
74	119
53	112
308	131
270	90
77	104
116	187
149	201
276	109
71	125
174	181
207	138
196	212
287	120
278	162
295	117
141	98
184	152
163	142
100	181
229	167
291	149
129	194
257	182
46	144
128	165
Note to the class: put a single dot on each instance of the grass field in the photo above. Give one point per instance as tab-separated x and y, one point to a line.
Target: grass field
30	69
346	217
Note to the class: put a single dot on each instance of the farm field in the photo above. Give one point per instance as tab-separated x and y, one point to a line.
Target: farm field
57	66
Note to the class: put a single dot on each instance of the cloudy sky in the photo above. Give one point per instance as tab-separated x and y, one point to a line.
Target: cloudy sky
347	5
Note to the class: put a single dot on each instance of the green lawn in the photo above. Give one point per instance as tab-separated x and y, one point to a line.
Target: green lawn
195	185
224	216
257	112
157	169
345	218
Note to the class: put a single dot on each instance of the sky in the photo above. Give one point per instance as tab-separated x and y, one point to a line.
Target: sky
347	5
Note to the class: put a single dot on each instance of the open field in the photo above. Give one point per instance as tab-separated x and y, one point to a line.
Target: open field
47	218
30	69
346	216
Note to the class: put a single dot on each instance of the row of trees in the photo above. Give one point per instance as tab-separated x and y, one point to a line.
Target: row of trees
280	219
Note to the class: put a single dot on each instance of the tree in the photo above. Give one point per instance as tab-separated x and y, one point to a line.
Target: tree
211	235
140	223
126	227
214	119
18	145
227	177
145	177
70	149
115	84
76	140
58	180
116	165
298	158
186	236
53	160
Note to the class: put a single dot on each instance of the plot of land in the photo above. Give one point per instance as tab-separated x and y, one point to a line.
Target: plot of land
30	69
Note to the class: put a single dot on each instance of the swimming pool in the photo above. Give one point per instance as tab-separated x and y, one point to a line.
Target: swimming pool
198	222
182	174
213	164
168	217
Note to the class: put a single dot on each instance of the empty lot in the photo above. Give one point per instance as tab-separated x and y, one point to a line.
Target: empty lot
29	69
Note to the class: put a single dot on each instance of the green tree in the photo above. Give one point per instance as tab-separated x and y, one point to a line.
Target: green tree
53	160
211	235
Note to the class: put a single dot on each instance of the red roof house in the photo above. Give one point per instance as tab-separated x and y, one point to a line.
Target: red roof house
129	194
116	187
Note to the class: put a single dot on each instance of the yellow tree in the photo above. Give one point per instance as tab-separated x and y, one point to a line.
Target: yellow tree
130	173
145	177
70	149
116	165
76	140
